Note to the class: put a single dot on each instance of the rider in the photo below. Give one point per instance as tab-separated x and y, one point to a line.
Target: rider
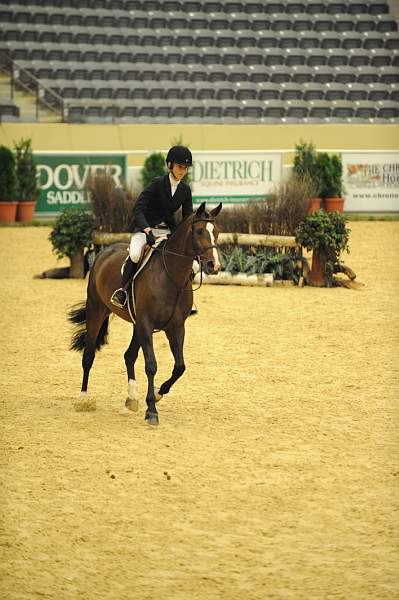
155	209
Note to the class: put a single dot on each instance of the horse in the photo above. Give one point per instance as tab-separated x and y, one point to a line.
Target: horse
163	300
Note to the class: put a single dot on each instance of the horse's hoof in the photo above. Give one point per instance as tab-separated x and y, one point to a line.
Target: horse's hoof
132	404
84	404
151	418
157	395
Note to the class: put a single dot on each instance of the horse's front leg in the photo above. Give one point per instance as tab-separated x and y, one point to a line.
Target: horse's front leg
132	400
176	342
145	336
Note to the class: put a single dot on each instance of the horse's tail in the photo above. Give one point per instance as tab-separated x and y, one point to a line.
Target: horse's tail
77	315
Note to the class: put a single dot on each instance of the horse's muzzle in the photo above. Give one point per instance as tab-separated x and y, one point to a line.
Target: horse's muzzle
210	268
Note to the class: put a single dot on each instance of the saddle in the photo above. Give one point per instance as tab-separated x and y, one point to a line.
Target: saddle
145	257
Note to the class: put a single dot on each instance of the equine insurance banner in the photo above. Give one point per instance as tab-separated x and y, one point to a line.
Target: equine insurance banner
63	178
371	181
234	177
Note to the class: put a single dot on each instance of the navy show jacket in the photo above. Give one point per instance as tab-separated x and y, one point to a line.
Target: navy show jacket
156	205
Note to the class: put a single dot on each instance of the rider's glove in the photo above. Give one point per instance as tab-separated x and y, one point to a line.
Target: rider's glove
150	238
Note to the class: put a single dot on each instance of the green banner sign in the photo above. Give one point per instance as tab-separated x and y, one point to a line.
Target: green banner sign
63	178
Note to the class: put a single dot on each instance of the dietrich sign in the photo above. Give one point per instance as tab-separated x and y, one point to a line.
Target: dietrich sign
63	178
234	178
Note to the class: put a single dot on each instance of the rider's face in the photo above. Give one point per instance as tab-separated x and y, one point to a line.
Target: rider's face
179	171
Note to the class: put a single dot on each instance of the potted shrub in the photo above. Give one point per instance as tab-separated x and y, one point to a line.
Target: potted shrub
327	235
306	168
154	166
330	168
70	236
8	182
27	187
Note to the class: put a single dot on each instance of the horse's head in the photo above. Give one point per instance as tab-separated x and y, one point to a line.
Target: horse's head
204	235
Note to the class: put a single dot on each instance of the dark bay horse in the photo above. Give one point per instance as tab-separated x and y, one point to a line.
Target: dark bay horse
163	301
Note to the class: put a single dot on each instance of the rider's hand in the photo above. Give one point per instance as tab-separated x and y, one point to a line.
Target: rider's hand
150	238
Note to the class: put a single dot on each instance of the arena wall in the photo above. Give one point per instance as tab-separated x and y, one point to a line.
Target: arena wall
140	139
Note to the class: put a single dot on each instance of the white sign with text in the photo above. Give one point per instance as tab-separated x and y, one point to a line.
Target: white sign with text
234	177
371	181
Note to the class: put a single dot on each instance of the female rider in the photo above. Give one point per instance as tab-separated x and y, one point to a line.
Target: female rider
153	213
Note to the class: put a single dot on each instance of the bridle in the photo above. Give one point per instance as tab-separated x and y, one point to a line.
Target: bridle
197	252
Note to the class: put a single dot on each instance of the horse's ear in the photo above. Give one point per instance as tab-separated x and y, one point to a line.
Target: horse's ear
200	210
216	211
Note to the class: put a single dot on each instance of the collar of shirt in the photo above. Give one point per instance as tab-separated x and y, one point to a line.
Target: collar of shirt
173	184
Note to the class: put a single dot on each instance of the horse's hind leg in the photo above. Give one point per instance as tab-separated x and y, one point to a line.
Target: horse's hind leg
95	327
176	342
132	400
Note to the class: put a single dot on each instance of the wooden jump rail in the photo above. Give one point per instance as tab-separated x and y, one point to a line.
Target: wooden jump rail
245	239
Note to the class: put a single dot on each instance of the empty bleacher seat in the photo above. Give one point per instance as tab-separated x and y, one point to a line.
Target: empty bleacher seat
8	110
343	110
335	91
357	92
291	91
359	58
389	75
387	109
268	91
356	7
273	56
309	39
251	111
275	109
329	40
243	38
324	74
346	74
365	110
381	91
295	56
381	57
386	23
339	57
391	40
245	91
351	39
279	73
343	23
313	91
316	57
320	109
297	109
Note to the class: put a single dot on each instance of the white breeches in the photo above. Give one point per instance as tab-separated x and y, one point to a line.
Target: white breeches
138	241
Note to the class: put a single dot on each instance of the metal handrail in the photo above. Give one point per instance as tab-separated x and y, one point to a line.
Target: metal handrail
14	69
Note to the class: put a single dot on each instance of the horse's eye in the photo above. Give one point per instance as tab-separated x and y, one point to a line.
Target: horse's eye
199	231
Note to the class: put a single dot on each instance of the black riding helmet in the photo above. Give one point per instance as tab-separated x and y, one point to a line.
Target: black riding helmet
180	155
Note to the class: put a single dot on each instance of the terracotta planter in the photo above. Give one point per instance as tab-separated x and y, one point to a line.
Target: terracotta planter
334	204
318	270
314	205
25	211
8	210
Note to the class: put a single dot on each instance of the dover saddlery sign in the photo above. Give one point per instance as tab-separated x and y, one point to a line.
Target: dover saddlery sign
63	177
371	181
234	177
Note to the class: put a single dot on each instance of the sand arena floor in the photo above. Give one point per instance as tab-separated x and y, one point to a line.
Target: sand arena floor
273	473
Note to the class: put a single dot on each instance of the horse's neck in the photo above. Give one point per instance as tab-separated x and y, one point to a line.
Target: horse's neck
180	243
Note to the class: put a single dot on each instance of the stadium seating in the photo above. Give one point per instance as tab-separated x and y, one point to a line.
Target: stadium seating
209	60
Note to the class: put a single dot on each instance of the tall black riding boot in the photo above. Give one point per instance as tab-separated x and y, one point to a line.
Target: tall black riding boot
119	297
